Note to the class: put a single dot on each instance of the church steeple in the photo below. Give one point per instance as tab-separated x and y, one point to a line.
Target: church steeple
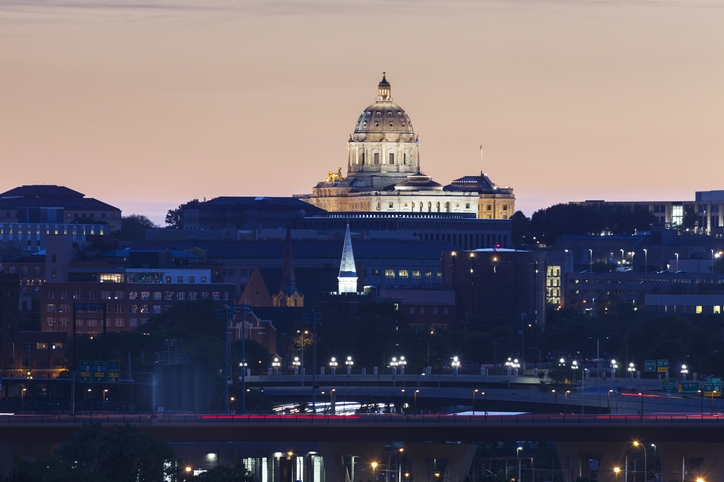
347	279
288	283
288	295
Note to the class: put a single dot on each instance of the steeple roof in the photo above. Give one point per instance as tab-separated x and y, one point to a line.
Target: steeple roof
347	268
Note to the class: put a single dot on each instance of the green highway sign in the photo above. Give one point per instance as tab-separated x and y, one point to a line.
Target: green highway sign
114	370
712	387
100	368
649	366
689	388
669	386
662	366
85	370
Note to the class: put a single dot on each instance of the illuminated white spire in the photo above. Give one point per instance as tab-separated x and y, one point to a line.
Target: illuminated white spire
347	279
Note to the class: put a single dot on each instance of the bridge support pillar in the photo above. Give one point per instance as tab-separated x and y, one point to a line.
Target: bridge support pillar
451	461
350	461
593	460
687	461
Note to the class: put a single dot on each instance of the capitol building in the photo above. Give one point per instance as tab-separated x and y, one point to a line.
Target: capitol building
384	173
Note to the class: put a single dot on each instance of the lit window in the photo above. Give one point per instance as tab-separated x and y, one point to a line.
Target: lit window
415	273
403	273
389	273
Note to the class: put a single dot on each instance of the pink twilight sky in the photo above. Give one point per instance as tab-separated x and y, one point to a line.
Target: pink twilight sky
148	104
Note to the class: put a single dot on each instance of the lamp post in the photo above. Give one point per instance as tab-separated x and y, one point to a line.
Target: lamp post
598	353
414	399
608	395
565	409
684	370
296	364
302	332
384	354
275	365
455	365
637	444
517	455
631	369
332	410
614	366
622	258
349	362
22	400
590	259
474	392
677	261
646	260
90	398
333	365
105	393
427	368
617	470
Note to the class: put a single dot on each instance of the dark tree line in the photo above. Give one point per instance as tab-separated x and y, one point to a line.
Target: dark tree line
547	225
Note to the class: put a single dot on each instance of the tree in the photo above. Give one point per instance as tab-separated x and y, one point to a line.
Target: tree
174	217
97	453
520	229
133	227
688	223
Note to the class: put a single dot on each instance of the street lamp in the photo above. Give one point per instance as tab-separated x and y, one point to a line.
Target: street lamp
512	364
622	258
402	364
637	444
631	369
617	470
614	366
22	399
609	401
598	353
474	392
590	259
349	362
414	399
683	372
333	365
677	261
565	409
456	365
105	393
517	455
275	365
304	332
296	363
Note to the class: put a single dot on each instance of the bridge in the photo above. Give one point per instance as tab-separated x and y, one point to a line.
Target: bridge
344	448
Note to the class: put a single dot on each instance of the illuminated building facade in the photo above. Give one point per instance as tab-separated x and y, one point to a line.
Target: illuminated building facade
384	173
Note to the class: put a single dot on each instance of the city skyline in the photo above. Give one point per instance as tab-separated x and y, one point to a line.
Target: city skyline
149	106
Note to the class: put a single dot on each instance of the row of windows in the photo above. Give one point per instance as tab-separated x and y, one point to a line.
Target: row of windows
90	322
407	273
18	231
143	295
168	296
434	310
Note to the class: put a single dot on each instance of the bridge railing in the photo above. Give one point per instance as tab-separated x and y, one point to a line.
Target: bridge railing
482	419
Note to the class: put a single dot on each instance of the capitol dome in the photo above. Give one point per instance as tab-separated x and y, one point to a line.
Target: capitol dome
384	120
